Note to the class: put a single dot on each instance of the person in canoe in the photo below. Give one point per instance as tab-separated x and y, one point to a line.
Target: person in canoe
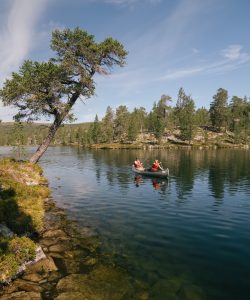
138	165
156	166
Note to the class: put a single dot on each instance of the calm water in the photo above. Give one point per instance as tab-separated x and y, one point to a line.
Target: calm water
193	228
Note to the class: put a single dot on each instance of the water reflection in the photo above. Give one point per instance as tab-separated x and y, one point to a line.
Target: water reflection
221	169
157	184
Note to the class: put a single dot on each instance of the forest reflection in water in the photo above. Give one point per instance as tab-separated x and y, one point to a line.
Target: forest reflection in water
222	169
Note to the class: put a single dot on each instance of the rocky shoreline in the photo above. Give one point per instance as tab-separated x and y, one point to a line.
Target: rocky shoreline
73	266
64	255
169	146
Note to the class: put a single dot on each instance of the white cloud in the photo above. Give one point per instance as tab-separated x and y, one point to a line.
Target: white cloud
233	52
16	36
175	74
234	60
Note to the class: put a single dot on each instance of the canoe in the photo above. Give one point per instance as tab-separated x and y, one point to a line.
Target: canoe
159	174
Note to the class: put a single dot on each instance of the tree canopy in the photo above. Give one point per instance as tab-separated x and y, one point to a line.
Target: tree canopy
50	89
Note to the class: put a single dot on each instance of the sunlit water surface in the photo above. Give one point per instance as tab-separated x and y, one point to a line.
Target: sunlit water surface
193	227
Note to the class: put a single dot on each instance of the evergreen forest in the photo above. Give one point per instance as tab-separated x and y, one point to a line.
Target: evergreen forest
226	119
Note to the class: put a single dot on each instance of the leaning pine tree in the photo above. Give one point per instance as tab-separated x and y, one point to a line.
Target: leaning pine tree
50	89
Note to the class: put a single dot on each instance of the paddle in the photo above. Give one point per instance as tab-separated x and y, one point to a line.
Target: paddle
165	170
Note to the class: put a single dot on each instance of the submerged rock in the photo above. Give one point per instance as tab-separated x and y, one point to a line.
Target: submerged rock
90	261
72	283
72	266
54	233
54	276
48	242
26	286
191	292
102	283
71	295
166	289
60	247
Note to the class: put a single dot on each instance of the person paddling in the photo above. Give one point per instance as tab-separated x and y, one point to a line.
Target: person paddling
138	164
156	166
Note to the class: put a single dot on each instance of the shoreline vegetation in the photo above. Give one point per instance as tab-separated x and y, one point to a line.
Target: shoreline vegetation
32	134
22	192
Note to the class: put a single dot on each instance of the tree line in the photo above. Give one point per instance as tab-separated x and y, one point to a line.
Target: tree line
120	125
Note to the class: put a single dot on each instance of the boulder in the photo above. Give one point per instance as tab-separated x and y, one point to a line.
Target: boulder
48	242
23	285
72	283
59	247
102	283
33	277
43	266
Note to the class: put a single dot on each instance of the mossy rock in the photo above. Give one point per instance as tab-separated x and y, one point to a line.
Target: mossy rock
17	251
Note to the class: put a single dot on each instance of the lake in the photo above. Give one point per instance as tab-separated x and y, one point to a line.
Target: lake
191	230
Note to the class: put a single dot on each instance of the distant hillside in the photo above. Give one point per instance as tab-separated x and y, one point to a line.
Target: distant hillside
34	133
80	134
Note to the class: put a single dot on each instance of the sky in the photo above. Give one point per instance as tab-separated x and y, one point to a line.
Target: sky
200	45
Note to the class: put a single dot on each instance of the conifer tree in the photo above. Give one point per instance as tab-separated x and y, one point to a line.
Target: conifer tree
51	89
121	122
95	131
185	113
219	109
108	126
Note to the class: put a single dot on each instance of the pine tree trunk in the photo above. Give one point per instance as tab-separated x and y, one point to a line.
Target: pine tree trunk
52	131
45	144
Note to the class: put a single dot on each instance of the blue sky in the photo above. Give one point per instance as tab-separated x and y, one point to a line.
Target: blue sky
200	45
